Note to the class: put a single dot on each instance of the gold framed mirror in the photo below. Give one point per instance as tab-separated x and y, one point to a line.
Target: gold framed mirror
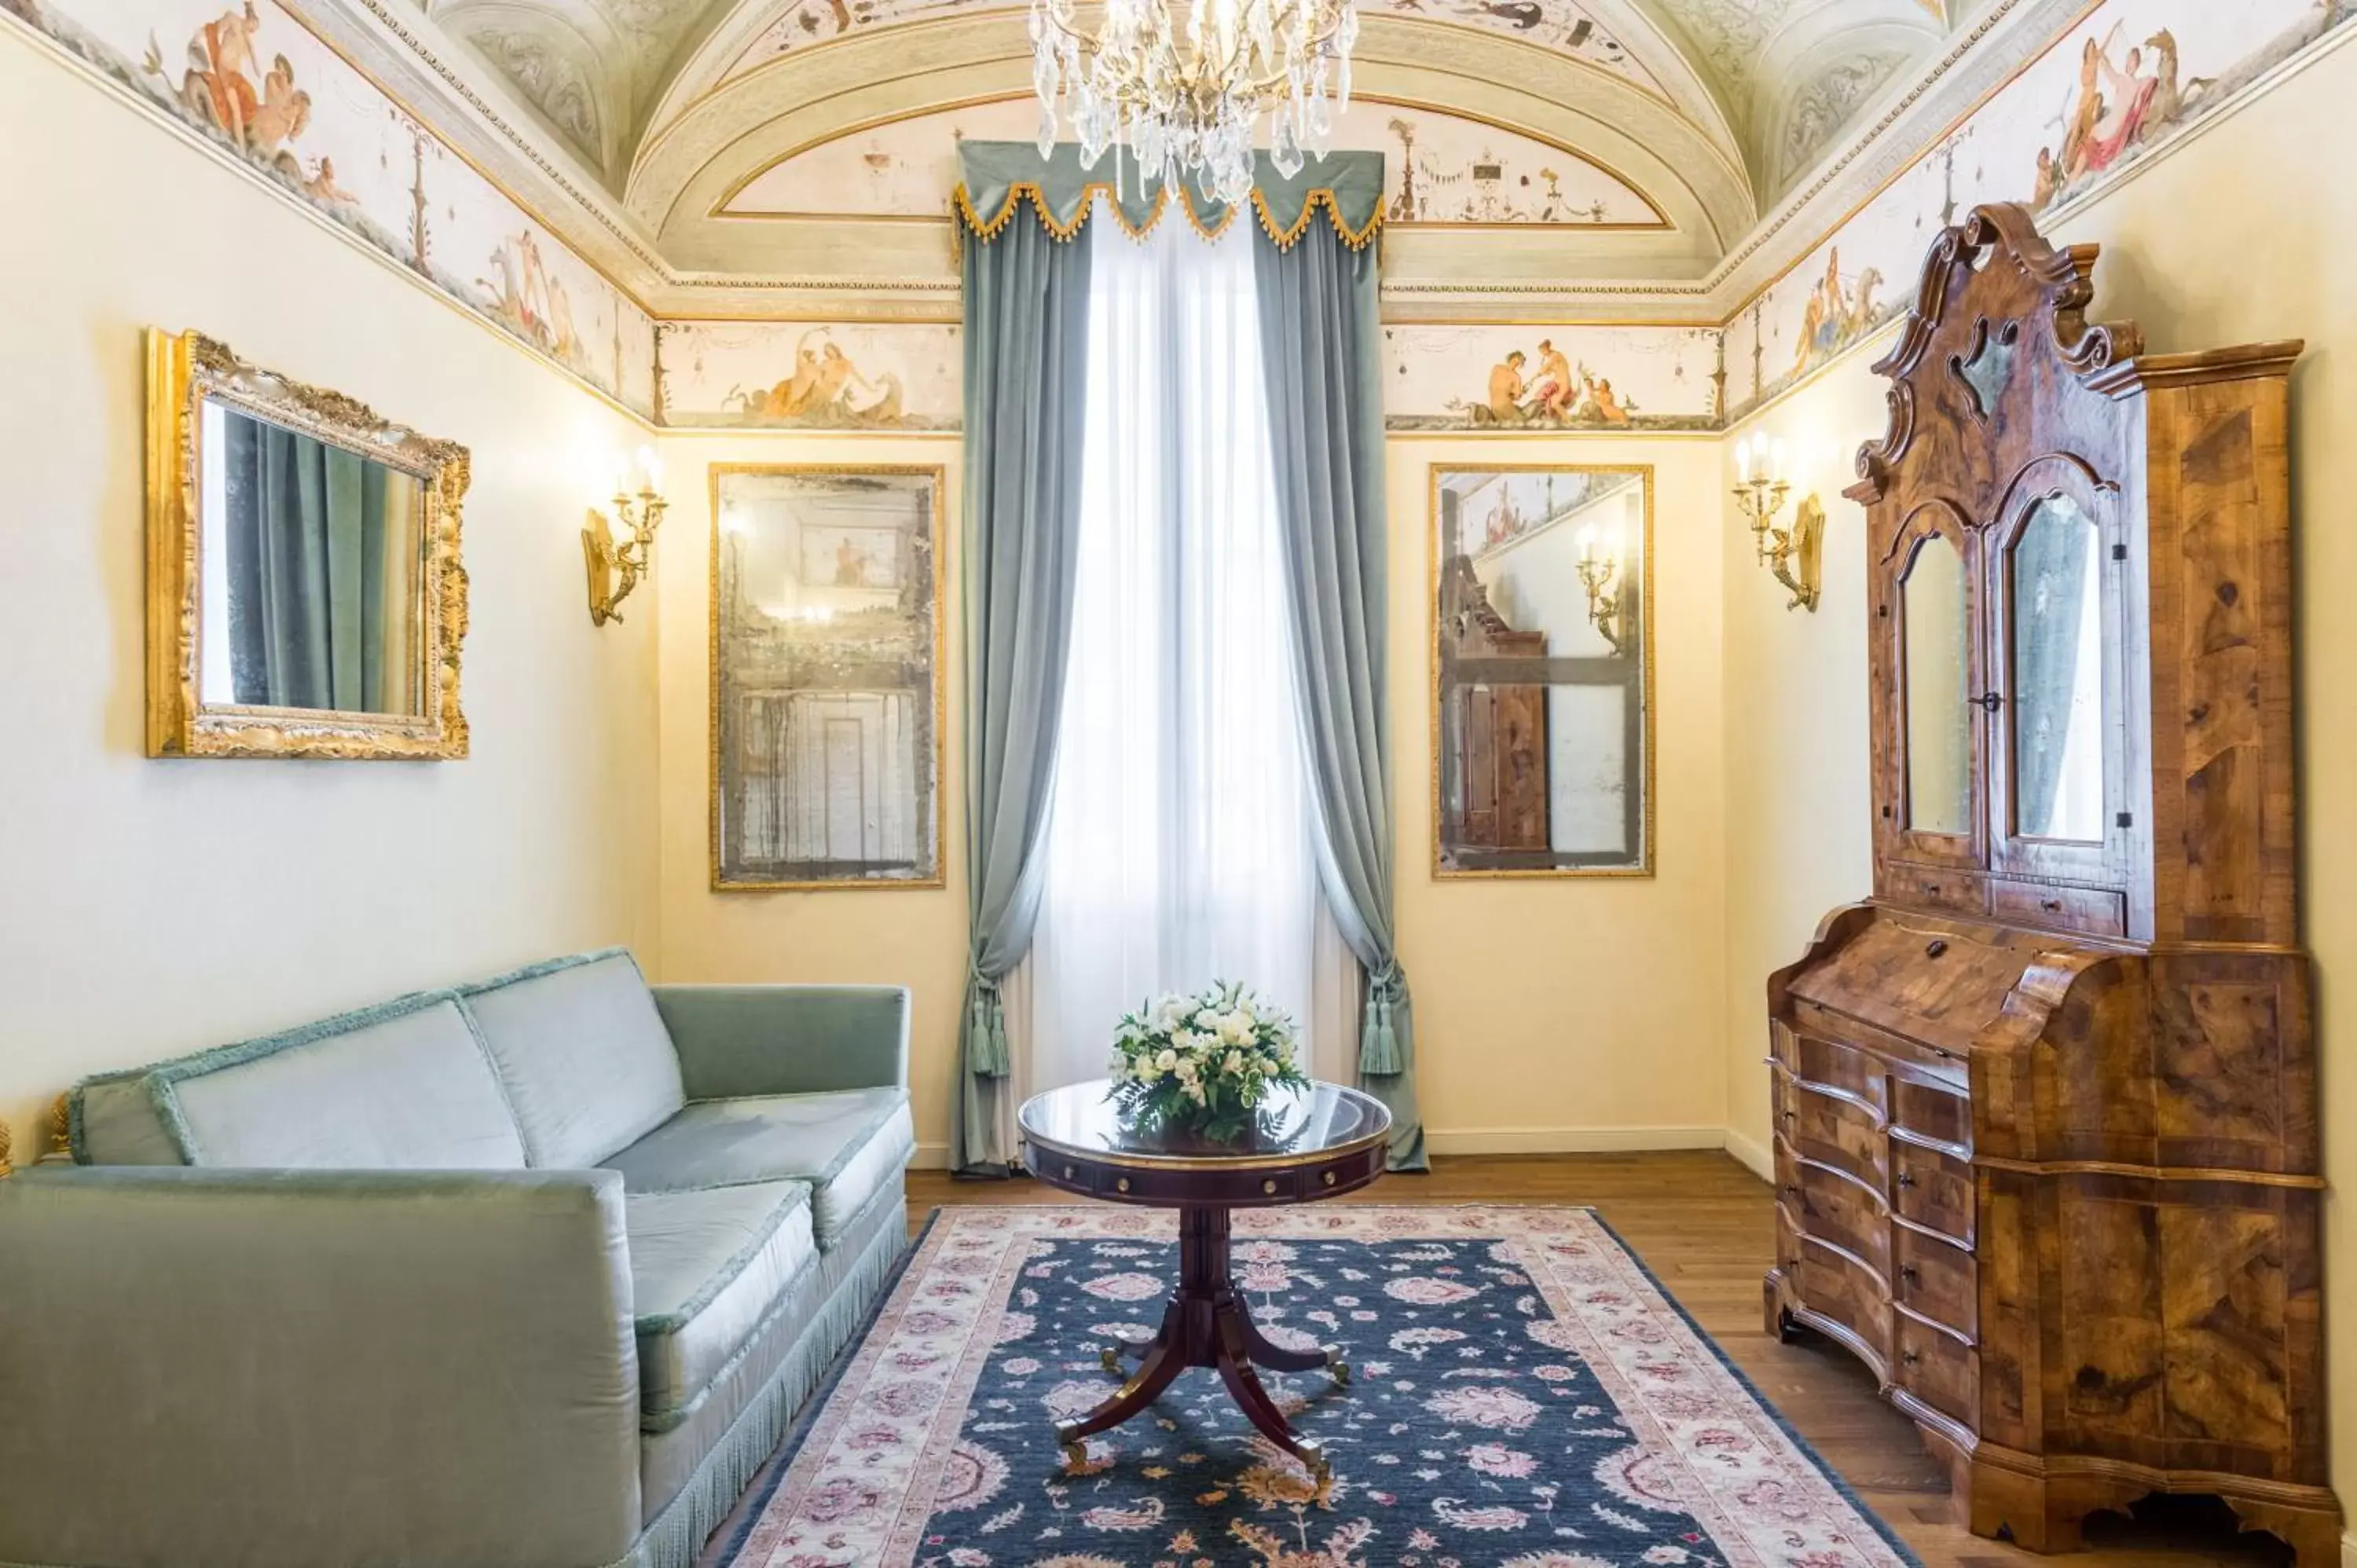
305	592
1542	669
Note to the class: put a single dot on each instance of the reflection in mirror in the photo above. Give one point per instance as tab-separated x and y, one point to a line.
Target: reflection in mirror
312	558
1542	710
2058	679
1935	648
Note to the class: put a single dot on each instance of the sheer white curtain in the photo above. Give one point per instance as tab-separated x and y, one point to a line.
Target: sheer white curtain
1180	848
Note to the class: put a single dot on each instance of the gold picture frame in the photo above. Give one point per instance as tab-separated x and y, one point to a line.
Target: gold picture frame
187	371
726	878
1612	612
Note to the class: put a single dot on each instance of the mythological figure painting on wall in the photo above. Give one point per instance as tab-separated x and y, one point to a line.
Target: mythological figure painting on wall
1542	671
789	375
1550	378
252	78
826	700
2129	78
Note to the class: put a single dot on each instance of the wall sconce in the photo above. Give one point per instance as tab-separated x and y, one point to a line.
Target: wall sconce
614	569
1792	554
1598	574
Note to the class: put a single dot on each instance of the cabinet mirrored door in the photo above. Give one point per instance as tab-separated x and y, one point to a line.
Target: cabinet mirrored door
1937	647
2054	652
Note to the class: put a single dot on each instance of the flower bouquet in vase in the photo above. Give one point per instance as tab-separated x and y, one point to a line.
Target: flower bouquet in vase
1203	1064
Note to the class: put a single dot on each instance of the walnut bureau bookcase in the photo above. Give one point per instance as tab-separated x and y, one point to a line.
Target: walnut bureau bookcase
2046	1105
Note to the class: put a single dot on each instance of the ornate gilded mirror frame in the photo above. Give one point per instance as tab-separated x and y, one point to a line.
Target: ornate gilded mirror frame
184	372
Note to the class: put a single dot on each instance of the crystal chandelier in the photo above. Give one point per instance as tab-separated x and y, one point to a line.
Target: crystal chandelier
1182	84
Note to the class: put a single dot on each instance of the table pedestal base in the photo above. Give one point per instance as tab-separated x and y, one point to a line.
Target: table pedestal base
1206	1325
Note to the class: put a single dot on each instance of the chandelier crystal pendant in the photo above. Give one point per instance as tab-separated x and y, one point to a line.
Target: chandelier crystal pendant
1182	84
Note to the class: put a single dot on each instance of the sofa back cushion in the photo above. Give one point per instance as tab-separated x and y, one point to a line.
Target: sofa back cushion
583	1054
403	1086
114	1121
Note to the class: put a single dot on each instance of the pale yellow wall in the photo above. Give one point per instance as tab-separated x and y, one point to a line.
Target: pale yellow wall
150	908
2242	233
1548	1015
902	936
1572	1012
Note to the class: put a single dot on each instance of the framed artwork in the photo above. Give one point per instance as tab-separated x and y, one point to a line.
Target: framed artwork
826	676
1542	669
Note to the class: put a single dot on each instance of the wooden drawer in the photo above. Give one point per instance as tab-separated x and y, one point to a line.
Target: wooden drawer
1840	1133
1933	1191
1936	1279
1936	1369
1930	1112
2084	909
1838	1289
1835	1209
1936	888
1844	1069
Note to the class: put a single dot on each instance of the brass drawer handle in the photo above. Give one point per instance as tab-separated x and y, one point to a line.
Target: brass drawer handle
1269	1187
1906	1178
1121	1184
2053	906
1943	1053
1794	1187
1906	1271
1937	945
1911	1358
1331	1179
1069	1174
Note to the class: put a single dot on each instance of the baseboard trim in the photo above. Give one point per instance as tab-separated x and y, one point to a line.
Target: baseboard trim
930	1157
1569	1140
1761	1162
2349	1552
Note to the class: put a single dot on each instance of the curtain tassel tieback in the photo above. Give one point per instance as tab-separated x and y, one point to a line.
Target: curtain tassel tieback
1379	1052
985	1028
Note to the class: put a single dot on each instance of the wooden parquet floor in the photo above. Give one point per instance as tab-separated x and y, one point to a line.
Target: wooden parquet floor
1704	1226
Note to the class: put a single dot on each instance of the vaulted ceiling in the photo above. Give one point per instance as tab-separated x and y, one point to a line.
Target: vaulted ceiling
1706	111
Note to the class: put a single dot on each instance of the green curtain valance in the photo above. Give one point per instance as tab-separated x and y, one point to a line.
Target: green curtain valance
998	178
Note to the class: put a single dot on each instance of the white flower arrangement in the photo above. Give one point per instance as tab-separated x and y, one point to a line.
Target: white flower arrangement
1205	1061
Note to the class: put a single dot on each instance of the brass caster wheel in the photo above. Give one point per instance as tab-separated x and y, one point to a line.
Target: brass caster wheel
1110	1359
1321	1469
1339	1367
1076	1452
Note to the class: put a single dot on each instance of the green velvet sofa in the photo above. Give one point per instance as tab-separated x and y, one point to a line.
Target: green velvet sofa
530	1274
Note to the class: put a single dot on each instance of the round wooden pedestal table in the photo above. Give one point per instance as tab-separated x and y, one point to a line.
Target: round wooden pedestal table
1314	1142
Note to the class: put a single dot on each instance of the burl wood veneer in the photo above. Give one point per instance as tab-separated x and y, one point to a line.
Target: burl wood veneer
2046	1105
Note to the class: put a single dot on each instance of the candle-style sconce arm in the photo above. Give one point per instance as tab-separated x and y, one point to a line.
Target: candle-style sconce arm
1597	574
615	568
1794	555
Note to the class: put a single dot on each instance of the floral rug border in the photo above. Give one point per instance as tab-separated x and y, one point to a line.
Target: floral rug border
1393	1221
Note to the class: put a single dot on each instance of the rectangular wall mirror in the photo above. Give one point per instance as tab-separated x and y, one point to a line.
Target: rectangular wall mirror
1542	670
305	592
826	695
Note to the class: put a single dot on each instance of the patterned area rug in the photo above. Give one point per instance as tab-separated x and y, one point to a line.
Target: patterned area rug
1525	1396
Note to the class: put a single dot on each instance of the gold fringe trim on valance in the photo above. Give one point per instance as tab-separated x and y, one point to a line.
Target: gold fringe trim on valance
988	229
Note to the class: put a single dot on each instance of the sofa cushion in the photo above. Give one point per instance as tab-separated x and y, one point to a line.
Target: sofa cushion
847	1143
582	1053
399	1087
707	1267
114	1121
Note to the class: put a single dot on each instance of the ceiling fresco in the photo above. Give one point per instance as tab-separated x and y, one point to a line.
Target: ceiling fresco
1440	168
842	109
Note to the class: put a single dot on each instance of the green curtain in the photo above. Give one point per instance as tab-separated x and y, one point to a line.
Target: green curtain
1026	407
307	579
1321	354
